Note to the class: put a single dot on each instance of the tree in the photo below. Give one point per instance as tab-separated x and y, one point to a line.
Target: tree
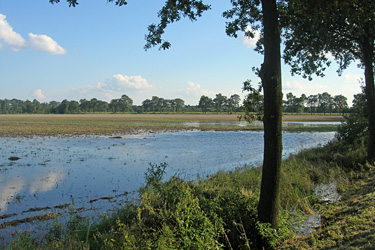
289	103
179	104
205	103
257	13
253	104
346	30
74	107
219	102
355	126
312	101
146	105
233	103
125	103
340	104
63	107
324	103
114	105
84	105
267	12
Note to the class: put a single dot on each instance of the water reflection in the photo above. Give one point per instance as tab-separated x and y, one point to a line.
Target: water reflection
259	124
54	171
9	189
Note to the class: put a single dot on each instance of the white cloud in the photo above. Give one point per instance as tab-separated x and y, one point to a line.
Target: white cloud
197	90
248	41
46	44
14	40
38	42
352	78
38	94
134	86
132	82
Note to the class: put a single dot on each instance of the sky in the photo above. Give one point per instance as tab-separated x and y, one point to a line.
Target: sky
95	50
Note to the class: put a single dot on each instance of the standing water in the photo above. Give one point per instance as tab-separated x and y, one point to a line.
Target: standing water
45	173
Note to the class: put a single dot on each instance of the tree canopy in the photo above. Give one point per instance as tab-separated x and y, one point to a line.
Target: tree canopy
344	29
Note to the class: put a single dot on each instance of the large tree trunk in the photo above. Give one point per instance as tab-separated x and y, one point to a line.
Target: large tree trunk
268	208
368	57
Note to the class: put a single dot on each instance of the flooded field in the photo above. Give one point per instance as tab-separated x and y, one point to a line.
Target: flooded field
98	174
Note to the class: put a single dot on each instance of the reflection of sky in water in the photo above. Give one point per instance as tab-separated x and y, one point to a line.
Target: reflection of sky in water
260	124
54	171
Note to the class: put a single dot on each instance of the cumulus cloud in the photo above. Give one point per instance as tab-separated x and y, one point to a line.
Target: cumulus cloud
115	86
38	42
132	82
46	44
248	41
197	90
38	94
14	40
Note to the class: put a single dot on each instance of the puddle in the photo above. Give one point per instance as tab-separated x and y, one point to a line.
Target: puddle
326	193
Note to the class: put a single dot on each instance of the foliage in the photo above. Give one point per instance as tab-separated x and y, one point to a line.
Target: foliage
253	106
157	104
170	13
342	29
355	127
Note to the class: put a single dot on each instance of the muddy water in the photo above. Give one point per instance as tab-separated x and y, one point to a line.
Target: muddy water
54	171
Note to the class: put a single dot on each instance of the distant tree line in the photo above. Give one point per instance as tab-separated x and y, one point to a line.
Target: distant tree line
220	103
321	103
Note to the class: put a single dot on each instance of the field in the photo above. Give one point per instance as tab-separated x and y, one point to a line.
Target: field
112	124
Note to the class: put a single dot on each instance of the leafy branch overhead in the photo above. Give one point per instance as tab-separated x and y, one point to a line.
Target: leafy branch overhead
172	12
74	3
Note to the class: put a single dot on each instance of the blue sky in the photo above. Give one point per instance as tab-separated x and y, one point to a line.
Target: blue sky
53	52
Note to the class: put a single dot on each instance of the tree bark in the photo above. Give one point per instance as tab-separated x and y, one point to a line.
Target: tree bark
368	57
268	208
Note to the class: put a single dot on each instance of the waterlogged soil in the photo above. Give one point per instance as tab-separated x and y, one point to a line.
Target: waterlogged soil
109	124
99	173
346	224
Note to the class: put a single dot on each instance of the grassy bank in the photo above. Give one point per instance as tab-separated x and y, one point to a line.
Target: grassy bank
109	124
220	211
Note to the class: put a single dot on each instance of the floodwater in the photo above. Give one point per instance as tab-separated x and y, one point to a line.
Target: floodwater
98	173
260	124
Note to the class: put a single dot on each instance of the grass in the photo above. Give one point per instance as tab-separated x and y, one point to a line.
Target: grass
220	211
109	124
